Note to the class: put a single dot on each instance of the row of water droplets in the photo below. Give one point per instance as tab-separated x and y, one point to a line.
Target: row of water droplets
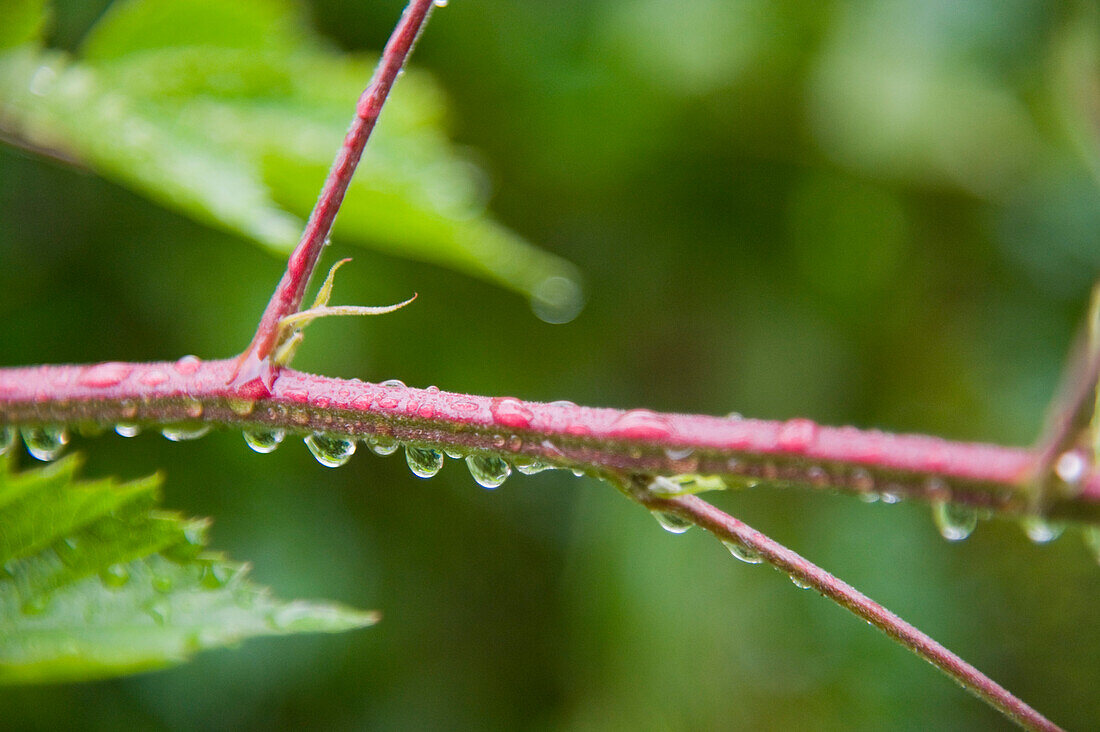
954	521
489	471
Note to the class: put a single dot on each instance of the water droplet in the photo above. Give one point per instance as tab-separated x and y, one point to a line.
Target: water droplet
115	576
7	438
162	583
393	384
799	582
330	450
240	406
796	435
1071	468
890	497
863	481
1040	530
68	551
382	445
192	407
42	80
188	365
735	417
453	454
184	432
46	442
557	299
936	489
296	395
641	424
488	470
154	377
103	375
671	522
424	462
677	454
217	575
955	521
159	611
127	429
511	412
264	441
530	467
578	472
440	3
743	552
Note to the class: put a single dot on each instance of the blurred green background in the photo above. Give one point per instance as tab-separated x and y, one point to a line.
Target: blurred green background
881	213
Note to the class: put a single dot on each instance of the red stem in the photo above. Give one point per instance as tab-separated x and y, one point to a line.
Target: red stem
254	373
727	528
599	441
605	442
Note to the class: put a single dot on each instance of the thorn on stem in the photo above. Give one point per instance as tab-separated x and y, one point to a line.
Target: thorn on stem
291	326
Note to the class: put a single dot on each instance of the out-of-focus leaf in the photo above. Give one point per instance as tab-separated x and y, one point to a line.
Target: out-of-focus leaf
20	21
97	582
206	106
909	90
130	26
1076	84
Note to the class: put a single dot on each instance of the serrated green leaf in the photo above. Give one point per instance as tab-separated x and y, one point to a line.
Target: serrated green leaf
231	113
96	582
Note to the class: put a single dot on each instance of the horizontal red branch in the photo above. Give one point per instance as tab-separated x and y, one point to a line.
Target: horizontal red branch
596	440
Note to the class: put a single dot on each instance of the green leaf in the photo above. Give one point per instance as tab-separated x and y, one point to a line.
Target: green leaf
22	21
232	112
129	26
96	582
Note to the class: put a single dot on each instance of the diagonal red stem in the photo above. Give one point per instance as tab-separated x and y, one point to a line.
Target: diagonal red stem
254	373
729	529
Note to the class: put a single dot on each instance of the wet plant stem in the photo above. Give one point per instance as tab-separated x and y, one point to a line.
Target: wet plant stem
254	393
598	441
606	443
254	370
728	529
